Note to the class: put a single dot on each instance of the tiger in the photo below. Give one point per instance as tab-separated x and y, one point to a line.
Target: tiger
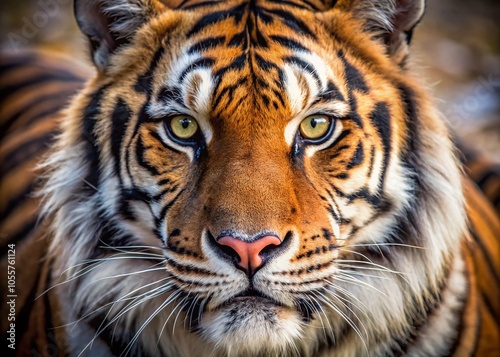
240	178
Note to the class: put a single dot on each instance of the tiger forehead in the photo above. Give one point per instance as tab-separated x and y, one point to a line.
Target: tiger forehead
253	24
260	57
308	5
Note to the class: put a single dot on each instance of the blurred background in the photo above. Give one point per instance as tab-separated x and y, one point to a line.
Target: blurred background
456	49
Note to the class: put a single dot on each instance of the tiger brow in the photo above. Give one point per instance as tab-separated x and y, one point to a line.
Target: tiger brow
171	94
331	93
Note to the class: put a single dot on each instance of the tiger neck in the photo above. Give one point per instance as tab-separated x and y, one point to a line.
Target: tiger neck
438	334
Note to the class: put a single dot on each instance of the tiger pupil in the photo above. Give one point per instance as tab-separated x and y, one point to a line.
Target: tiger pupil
185	123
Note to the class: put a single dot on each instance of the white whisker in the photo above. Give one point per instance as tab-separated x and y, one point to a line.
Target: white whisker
350	279
346	318
148	320
323	312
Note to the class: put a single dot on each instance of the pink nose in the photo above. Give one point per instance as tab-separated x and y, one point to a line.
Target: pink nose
249	252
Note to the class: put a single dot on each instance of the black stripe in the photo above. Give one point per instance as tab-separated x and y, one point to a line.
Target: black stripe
339	139
279	95
64	96
54	109
119	123
165	181
490	174
144	83
139	155
289	43
372	161
411	111
239	39
261	83
353	115
170	94
228	91
182	4
262	16
237	64
354	78
164	211
341	176
261	39
265	99
292	4
488	259
331	210
204	62
89	137
236	13
364	194
172	188
7	123
329	94
305	66
292	22
479	326
489	306
314	7
202	4
129	195
358	156
10	89
381	119
32	147
338	152
157	136
9	62
457	339
486	214
268	66
206	44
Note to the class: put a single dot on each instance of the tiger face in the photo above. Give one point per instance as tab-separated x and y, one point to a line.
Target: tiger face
246	178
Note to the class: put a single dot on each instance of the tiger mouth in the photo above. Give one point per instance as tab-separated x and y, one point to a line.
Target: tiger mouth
248	298
252	296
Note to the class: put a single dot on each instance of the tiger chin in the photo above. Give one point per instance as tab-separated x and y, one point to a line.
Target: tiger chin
260	178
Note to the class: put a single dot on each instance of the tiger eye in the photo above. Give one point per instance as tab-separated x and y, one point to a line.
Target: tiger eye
315	126
183	127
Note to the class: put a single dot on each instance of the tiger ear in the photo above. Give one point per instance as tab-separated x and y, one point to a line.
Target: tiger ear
110	24
390	21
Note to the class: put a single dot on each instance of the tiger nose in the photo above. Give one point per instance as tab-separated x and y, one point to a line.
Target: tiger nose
251	255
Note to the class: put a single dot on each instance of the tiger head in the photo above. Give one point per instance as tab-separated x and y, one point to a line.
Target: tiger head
251	178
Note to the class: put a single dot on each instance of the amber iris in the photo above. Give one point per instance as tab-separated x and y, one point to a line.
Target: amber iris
315	127
183	127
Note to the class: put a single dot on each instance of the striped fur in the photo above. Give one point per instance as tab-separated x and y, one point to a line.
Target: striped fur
387	248
485	171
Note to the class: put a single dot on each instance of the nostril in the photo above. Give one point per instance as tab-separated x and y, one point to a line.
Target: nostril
229	252
269	250
224	251
249	255
273	250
